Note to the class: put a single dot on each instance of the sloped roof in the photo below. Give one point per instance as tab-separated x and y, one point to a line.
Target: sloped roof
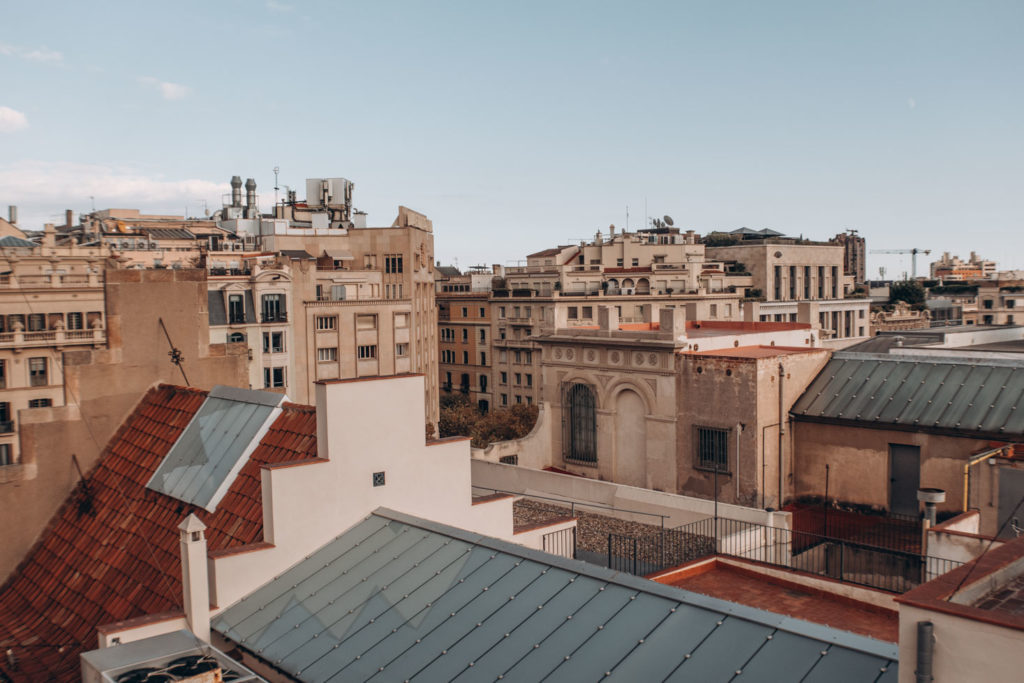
397	597
12	241
168	233
121	560
955	396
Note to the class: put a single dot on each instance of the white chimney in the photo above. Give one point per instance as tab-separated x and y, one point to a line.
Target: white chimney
195	584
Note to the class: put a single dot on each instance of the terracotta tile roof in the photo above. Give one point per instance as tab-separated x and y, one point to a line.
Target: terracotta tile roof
121	561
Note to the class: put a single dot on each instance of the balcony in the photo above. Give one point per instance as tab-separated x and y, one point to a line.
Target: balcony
58	338
278	317
6	426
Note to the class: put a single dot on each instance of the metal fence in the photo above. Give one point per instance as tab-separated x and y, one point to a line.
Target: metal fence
895	532
561	542
647	554
837	558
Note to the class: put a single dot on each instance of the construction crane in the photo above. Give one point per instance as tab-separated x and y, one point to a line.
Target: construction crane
913	256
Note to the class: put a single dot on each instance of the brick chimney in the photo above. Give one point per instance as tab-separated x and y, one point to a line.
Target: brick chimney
194	579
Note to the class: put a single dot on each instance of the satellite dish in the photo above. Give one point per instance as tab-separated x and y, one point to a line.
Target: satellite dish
668	221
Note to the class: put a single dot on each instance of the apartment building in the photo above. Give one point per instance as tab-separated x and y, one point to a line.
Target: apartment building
51	301
855	255
1000	304
310	289
788	271
956	269
464	339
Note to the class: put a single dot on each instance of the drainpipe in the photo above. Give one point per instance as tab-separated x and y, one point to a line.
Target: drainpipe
974	460
739	430
925	651
782	424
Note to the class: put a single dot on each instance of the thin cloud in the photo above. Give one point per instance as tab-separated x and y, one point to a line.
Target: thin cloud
39	54
12	120
277	6
43	189
168	90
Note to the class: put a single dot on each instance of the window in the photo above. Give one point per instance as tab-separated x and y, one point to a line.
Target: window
273	342
326	322
483	382
37	322
573	313
273	308
579	437
465	334
75	321
483	335
465	312
338	293
6	424
40	403
501	311
464	383
518	357
618	262
37	372
529	356
3	374
529	380
378	479
504	378
402	320
483	312
987	303
236	337
273	377
236	309
713	449
392	263
402	350
483	358
501	333
465	357
509	460
504	399
529	400
5	454
636	262
366	322
327	355
367	351
519	399
588	312
519	379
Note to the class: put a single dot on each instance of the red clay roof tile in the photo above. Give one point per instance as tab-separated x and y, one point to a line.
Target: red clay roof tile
122	561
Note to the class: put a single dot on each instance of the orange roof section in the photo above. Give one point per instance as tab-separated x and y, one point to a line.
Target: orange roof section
120	560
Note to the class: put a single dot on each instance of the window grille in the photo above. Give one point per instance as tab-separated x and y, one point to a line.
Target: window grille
713	449
579	423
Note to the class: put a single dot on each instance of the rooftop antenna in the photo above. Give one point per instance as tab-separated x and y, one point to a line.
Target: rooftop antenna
93	200
627	218
668	221
277	169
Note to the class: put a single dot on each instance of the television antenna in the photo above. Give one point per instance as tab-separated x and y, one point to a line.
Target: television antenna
668	221
277	169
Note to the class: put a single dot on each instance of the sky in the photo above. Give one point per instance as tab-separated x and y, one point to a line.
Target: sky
519	126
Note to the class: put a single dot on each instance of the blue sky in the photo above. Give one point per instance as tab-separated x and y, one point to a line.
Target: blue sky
516	126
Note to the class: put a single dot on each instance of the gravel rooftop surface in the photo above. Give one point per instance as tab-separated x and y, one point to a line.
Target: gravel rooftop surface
592	529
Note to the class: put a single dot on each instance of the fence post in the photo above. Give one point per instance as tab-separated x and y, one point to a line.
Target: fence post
634	555
842	574
609	551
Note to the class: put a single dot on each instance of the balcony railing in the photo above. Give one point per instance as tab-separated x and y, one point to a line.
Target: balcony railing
280	317
52	338
6	426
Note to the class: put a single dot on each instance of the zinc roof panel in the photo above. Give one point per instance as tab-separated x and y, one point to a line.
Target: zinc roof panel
479	646
615	640
841	665
725	650
860	398
904	393
567	636
786	657
942	397
476	616
978	414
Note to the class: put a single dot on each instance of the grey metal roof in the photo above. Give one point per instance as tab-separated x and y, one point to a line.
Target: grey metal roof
958	396
397	598
297	254
168	233
12	241
205	459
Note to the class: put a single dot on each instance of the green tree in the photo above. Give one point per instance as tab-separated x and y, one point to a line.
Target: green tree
909	291
504	425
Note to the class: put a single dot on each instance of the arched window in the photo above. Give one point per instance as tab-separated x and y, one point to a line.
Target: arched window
579	423
236	337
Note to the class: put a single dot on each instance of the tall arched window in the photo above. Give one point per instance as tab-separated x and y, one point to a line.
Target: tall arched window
579	423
